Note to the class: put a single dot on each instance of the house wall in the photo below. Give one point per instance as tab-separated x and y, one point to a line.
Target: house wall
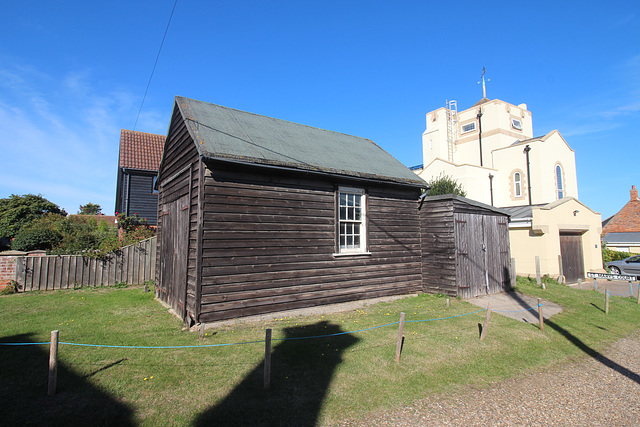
497	132
269	243
141	198
543	238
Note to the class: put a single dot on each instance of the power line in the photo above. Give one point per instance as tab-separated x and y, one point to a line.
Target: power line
154	65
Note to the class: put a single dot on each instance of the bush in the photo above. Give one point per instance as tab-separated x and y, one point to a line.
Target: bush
445	184
34	239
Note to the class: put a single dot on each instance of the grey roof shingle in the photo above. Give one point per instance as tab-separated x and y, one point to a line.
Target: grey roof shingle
222	133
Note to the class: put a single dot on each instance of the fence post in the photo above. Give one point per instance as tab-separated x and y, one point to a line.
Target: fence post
486	323
513	272
638	300
53	363
561	278
595	284
540	316
400	337
631	288
448	303
538	276
606	301
267	359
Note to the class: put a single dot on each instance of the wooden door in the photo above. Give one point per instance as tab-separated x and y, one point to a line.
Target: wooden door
470	255
174	253
498	257
572	256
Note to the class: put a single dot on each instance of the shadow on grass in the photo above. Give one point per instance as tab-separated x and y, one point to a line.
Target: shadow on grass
23	391
582	346
301	373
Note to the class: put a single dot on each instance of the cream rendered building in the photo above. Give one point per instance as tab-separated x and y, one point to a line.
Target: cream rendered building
491	150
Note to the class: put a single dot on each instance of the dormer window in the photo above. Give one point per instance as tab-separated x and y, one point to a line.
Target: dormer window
469	127
516	124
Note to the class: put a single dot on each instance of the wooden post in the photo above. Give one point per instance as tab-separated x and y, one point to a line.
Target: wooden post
538	275
201	331
540	317
486	323
513	272
267	360
400	337
631	288
595	284
638	294
53	363
606	302
561	278
448	303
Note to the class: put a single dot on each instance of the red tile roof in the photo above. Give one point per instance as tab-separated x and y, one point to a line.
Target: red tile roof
628	219
140	150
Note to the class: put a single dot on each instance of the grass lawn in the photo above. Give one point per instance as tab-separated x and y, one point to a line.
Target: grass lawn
314	381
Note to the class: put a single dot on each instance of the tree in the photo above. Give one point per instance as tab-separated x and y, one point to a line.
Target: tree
445	184
90	209
17	212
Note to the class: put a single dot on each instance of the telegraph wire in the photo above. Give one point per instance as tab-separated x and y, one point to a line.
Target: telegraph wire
156	63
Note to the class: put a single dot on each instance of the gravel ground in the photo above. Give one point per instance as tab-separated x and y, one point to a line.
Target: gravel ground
602	391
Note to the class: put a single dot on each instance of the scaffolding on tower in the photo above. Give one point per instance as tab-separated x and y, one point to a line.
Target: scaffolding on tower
452	128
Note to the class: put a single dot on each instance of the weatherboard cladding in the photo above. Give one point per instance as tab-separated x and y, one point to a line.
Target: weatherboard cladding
222	133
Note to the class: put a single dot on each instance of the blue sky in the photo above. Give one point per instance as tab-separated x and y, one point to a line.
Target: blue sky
73	73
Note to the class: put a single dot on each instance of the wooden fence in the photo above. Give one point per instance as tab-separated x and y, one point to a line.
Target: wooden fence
134	265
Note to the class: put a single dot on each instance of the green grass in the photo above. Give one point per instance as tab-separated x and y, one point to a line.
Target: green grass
314	381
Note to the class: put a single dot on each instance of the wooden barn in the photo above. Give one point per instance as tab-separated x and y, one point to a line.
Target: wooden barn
259	215
465	247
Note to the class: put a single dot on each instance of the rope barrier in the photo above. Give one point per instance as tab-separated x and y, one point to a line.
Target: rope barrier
240	343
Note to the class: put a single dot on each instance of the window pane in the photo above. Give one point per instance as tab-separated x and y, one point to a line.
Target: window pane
343	213
349	242
343	199
342	241
356	241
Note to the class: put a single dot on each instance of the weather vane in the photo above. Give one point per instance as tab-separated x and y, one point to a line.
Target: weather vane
484	86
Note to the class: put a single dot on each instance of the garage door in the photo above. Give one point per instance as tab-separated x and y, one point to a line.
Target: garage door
572	256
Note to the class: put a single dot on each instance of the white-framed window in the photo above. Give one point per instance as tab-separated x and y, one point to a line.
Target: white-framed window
516	124
352	224
517	184
469	127
559	182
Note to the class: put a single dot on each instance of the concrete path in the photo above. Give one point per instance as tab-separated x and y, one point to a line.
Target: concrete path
517	306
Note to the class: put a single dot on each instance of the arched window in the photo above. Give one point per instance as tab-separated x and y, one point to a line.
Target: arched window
559	182
517	182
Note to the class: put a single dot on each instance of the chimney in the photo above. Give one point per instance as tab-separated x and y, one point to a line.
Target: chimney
634	193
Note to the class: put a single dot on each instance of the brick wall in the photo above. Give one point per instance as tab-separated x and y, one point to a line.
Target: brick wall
7	270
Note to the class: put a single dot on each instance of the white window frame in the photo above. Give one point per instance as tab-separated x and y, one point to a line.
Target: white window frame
516	123
471	129
559	172
517	184
351	232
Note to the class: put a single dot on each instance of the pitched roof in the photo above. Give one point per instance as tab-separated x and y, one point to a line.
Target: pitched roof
140	150
627	219
226	134
611	238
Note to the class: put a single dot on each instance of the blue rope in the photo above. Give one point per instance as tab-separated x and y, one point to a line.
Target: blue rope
246	342
24	343
444	318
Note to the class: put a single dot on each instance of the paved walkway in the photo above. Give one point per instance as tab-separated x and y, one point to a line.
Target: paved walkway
517	306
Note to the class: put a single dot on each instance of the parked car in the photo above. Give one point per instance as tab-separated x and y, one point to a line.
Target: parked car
630	266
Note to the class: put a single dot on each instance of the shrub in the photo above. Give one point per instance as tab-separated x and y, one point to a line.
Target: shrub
34	239
445	184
